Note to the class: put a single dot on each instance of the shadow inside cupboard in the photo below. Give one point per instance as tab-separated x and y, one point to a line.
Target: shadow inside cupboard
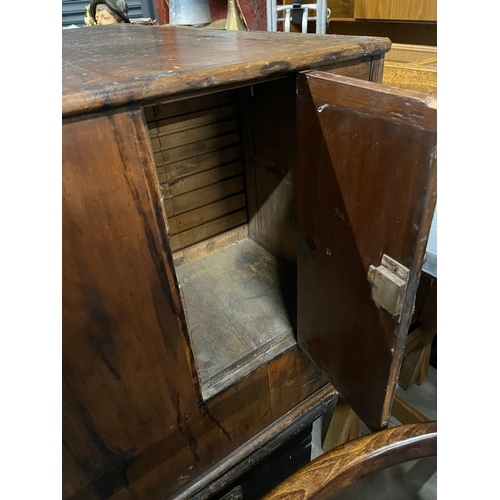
226	171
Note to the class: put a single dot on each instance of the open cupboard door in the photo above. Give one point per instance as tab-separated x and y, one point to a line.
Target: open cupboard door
366	194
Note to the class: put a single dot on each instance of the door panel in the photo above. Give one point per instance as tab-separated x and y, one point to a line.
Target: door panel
366	187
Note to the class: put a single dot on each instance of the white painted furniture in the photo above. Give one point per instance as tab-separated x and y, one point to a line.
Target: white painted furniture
283	13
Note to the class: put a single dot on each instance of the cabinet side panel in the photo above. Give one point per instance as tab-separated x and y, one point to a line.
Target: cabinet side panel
127	367
274	134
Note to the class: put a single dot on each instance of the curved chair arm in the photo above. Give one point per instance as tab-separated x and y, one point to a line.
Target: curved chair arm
342	466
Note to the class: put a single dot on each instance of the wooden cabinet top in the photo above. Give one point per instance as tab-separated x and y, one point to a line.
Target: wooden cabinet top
119	65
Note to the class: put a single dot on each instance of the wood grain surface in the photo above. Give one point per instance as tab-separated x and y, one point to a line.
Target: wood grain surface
403	10
234	305
121	64
367	187
135	425
198	157
342	466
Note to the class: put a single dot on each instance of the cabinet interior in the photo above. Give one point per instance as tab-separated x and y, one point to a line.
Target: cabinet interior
226	170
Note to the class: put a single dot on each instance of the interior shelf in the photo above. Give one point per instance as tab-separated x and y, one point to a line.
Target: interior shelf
240	304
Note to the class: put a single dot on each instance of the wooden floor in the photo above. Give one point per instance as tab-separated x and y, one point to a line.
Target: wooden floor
241	310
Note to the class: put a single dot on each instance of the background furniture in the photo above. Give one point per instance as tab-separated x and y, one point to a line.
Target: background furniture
283	14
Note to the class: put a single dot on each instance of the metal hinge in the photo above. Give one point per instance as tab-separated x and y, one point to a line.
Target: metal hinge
389	282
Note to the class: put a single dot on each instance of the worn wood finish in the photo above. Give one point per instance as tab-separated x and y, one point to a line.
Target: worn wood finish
342	466
377	69
236	310
283	425
367	187
269	139
135	425
197	153
127	64
356	69
210	245
132	427
117	335
402	10
274	158
285	385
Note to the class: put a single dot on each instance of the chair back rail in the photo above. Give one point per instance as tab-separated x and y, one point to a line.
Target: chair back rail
342	466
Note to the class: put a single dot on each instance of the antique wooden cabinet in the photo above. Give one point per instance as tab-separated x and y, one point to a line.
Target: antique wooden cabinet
245	217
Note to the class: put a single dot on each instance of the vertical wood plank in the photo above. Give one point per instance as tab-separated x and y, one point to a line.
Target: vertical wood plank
357	202
123	319
275	159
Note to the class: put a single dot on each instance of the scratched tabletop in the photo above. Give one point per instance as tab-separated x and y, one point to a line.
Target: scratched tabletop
116	65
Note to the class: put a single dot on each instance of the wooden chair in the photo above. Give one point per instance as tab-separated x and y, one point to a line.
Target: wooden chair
342	466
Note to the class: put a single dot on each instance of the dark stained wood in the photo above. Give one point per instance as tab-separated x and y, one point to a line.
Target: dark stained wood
284	384
135	425
268	466
367	187
117	336
196	148
211	245
356	69
273	168
132	427
130	64
377	69
329	473
411	32
269	139
245	98
284	424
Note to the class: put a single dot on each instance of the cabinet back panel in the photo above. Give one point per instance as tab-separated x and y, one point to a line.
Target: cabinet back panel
270	152
198	157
